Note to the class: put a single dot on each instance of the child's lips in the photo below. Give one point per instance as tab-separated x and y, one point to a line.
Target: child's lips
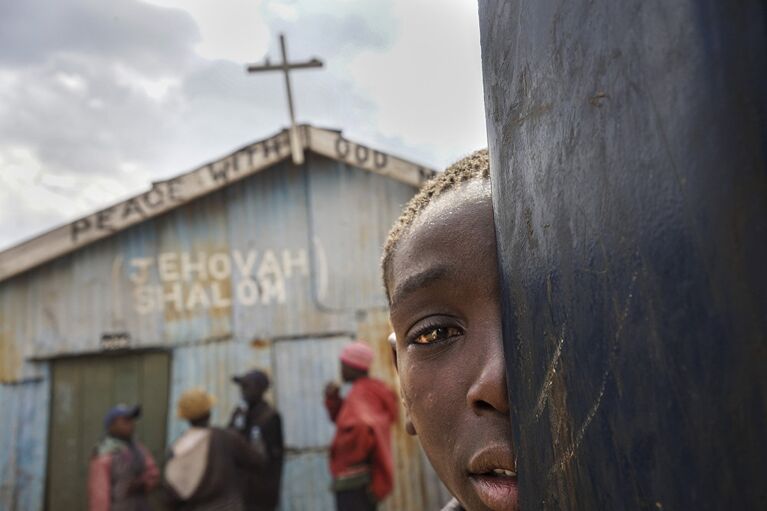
492	472
498	492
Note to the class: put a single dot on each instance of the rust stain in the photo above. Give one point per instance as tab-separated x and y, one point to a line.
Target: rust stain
207	296
9	365
375	330
597	99
10	358
532	113
528	214
259	344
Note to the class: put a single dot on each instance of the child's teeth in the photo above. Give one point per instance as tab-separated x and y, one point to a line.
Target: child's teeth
503	472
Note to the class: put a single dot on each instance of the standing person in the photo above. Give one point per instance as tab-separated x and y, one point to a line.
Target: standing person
360	455
261	425
205	462
121	472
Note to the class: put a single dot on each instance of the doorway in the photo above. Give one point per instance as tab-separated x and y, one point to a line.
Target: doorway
83	390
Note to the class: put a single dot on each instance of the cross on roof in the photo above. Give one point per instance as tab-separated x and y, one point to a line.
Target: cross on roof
295	143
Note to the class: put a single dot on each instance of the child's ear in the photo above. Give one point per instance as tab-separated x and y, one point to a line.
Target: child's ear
409	426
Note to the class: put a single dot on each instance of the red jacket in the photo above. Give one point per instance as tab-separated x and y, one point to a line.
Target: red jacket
363	433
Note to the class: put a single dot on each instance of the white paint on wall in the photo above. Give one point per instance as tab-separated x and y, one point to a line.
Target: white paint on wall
188	281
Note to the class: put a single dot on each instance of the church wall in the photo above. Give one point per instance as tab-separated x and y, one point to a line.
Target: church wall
221	283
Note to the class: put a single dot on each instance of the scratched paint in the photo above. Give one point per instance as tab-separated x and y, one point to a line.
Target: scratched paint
628	171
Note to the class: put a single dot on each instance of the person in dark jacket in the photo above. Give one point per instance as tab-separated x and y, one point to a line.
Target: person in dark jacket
261	425
204	463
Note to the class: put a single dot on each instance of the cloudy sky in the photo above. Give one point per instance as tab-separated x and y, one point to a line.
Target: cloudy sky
98	98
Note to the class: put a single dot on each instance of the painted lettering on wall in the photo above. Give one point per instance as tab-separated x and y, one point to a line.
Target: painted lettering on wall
188	281
161	196
225	170
167	194
115	340
359	154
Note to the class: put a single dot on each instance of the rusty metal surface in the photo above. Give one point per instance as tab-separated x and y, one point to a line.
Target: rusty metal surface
23	437
282	255
271	222
352	213
247	262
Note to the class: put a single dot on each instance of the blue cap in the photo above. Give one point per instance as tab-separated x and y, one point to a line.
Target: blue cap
121	410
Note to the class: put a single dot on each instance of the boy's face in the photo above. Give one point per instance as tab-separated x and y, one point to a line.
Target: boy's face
349	373
252	391
123	427
445	310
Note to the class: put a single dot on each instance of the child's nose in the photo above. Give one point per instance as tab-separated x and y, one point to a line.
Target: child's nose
487	393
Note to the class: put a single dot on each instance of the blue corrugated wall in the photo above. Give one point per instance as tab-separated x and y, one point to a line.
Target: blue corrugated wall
310	242
23	441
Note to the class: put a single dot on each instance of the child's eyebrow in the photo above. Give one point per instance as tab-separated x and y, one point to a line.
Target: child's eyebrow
417	281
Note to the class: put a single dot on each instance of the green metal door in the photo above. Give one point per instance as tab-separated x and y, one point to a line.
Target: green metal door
83	390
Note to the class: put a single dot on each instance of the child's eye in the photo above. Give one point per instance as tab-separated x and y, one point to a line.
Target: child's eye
436	334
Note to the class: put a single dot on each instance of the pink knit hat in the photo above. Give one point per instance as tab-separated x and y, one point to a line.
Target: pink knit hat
358	355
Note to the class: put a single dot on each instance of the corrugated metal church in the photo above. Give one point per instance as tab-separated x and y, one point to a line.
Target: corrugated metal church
249	261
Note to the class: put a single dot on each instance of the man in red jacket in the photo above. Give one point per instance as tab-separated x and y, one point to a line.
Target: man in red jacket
360	455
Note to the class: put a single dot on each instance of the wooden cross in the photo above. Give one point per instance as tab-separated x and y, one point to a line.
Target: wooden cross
296	148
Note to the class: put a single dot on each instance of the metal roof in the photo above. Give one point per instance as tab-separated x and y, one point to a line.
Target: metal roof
171	193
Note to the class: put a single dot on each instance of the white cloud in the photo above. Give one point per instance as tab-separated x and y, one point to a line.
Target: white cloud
73	82
283	10
33	198
28	205
230	29
95	103
427	87
158	87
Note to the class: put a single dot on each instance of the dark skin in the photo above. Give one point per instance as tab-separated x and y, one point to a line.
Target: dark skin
252	392
122	428
348	374
200	422
445	309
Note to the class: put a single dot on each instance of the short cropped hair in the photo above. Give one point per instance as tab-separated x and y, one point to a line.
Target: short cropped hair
476	166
